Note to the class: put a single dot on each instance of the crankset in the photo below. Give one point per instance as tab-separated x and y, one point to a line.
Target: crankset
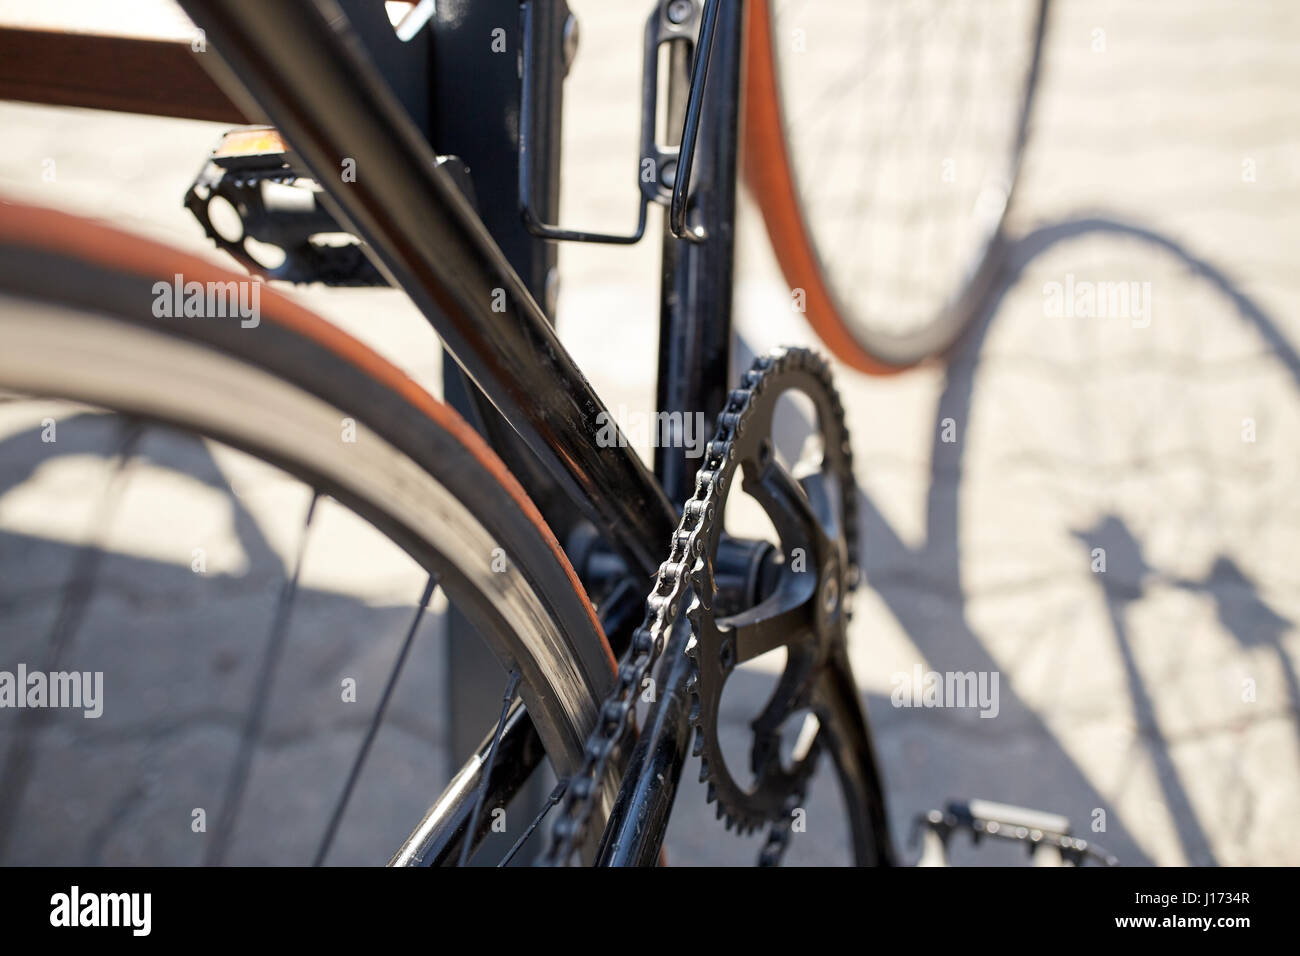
815	518
812	507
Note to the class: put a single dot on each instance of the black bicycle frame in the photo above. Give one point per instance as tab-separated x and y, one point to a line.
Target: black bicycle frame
302	64
327	99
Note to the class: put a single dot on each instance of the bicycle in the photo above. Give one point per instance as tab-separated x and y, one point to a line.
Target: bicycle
581	524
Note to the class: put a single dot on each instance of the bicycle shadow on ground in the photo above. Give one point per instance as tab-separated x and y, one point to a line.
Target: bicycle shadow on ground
950	644
1242	611
922	588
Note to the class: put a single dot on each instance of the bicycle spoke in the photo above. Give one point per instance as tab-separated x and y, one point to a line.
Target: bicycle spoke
551	801
76	594
238	779
332	828
509	697
85	570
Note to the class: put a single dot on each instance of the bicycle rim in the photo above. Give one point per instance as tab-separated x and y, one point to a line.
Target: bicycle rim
883	188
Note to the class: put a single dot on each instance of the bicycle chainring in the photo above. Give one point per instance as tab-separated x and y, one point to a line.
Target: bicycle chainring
816	520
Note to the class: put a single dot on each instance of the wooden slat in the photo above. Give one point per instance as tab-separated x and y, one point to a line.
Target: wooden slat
158	77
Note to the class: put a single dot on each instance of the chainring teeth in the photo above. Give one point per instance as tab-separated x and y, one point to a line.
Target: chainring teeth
738	808
688	564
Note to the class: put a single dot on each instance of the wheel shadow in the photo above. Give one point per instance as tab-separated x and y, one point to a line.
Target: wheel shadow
922	587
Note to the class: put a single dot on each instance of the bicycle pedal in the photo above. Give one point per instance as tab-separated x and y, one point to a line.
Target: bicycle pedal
1046	836
282	231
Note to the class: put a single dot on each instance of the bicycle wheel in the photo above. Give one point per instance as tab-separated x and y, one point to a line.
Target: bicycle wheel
882	141
290	390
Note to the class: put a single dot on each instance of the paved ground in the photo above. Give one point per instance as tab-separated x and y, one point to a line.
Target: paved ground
1162	692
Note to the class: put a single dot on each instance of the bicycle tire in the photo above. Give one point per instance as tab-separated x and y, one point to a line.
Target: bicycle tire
75	310
851	332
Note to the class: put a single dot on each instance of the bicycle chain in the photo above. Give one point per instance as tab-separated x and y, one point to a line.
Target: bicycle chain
683	570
